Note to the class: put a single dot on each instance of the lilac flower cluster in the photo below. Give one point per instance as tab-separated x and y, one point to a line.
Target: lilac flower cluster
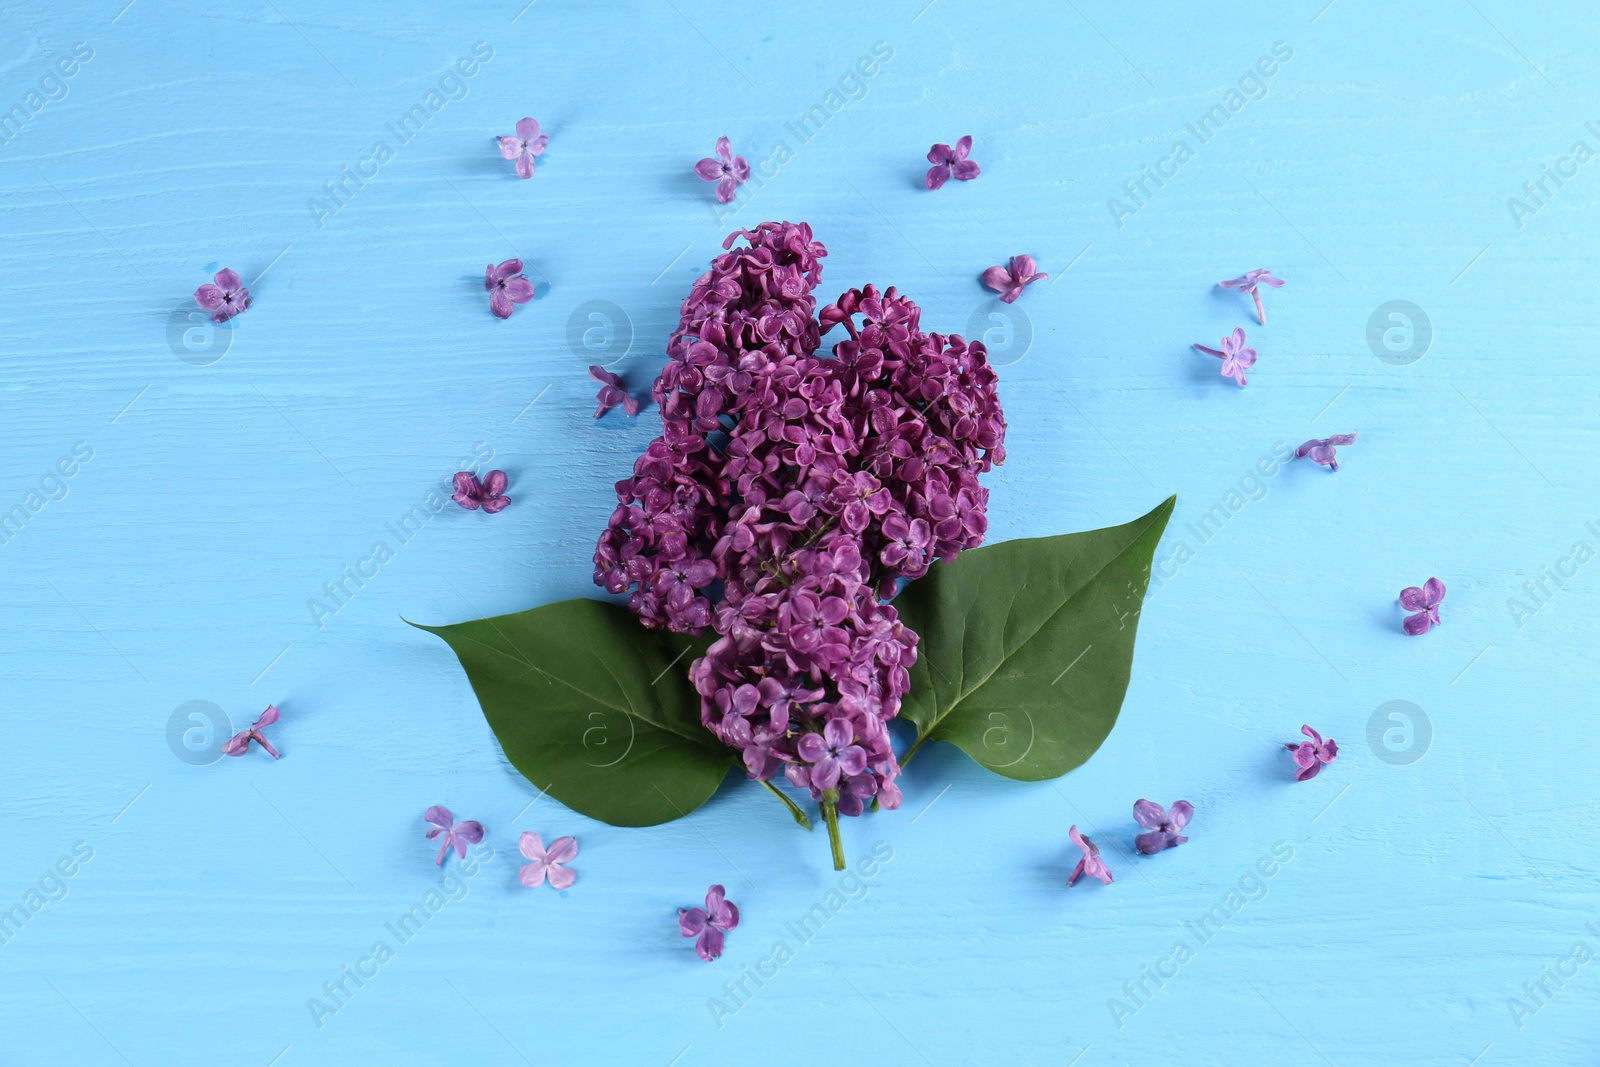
789	496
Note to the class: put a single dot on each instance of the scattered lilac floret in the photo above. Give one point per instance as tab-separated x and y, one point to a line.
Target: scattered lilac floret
1310	755
1091	864
612	392
456	834
708	925
507	287
227	298
727	170
546	863
489	494
239	743
1250	283
1322	451
524	146
1010	280
1164	827
951	163
1236	358
1425	602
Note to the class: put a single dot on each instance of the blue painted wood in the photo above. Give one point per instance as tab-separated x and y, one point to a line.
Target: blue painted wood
1370	155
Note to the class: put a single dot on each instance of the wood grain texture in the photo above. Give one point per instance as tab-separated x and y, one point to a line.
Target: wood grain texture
177	563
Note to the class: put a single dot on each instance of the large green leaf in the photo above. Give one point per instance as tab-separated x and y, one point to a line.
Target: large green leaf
594	708
1027	645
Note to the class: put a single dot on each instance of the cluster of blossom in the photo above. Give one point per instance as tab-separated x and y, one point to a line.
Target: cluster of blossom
790	495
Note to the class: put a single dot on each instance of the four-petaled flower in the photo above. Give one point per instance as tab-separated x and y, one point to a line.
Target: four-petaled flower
1164	827
832	753
1310	755
1236	358
612	392
1425	602
546	863
1091	864
1249	284
523	147
227	298
727	170
458	834
239	743
488	494
951	163
1009	281
506	287
1322	451
707	925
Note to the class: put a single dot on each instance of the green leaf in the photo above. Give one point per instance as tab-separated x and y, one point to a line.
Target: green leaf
594	708
1027	645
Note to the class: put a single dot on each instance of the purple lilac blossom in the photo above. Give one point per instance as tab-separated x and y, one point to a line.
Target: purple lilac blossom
789	494
1310	755
727	170
1324	452
1425	602
1010	280
1164	827
227	298
951	163
1250	284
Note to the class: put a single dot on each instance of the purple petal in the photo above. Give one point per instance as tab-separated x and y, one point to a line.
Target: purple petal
532	875
440	816
228	279
1308	773
1342	439
269	716
1327	753
1267	279
496	504
465	483
941	154
938	175
1433	591
691	921
727	189
964	171
531	845
500	304
528	129
470	831
1077	872
1237	337
520	290
525	165
1412	598
508	269
709	945
811	747
728	917
838	733
1182	812
1417	624
209	296
1151	843
563	850
561	877
853	760
709	169
238	744
1149	814
510	148
825	774
741	169
963	147
997	278
724	150
494	483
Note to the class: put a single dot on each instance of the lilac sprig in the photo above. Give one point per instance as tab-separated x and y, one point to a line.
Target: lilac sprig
789	495
1251	283
1236	358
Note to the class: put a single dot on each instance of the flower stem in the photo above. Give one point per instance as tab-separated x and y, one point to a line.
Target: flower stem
912	751
794	809
830	813
1261	312
1209	351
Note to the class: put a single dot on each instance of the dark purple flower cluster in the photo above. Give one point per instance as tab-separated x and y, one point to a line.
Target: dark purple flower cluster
789	495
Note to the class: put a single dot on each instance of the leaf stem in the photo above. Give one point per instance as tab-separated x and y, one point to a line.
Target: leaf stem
830	813
912	751
794	809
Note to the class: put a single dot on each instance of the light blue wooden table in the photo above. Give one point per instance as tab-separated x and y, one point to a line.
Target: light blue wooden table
1441	873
